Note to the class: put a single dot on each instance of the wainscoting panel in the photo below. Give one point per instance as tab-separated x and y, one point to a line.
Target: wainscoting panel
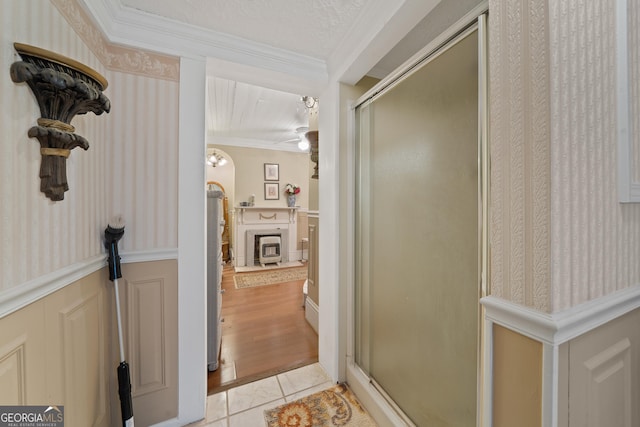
313	290
146	338
12	373
83	354
149	295
78	365
22	346
609	385
590	361
604	384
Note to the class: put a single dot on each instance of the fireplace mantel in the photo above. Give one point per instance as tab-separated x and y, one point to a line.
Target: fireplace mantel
251	214
255	219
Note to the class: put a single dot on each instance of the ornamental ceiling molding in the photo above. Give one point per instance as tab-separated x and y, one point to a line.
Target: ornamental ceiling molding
115	57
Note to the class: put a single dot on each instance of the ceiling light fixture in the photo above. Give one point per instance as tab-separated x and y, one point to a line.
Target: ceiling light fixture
309	101
303	144
214	159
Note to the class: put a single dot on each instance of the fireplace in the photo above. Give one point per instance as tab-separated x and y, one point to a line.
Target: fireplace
252	221
274	240
269	250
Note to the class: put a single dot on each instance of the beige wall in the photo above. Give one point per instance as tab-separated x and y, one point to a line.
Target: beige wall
63	349
58	351
249	174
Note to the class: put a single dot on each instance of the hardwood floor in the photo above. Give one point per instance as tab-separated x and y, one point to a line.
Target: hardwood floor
264	332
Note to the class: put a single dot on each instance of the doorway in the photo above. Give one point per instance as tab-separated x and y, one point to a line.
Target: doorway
265	330
418	237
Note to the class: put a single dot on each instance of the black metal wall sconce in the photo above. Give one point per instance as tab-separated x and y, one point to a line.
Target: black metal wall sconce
63	88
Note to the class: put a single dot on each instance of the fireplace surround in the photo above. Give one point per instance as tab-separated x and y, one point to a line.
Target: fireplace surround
252	221
252	245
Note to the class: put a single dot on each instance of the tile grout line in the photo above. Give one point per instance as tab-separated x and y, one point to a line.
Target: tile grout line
281	389
226	400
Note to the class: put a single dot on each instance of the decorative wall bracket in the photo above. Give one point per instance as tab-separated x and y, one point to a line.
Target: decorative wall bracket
63	88
312	137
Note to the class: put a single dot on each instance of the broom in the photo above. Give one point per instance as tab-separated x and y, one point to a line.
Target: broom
112	234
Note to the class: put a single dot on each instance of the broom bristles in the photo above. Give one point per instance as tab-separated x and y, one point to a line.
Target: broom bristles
117	222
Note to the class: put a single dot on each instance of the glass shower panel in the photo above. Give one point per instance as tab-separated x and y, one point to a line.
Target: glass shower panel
417	222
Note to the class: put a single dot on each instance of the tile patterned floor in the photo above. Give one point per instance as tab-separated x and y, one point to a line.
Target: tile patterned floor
244	406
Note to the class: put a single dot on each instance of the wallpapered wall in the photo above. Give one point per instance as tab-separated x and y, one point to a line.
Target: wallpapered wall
559	236
40	236
129	169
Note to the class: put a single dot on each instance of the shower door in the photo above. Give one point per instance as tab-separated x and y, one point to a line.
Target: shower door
417	282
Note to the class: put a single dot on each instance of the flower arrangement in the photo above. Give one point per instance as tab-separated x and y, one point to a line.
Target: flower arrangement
291	189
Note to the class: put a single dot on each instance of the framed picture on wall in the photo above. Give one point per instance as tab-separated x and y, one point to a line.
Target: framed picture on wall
271	172
271	191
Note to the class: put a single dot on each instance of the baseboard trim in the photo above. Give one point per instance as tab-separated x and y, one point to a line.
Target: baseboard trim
312	313
173	422
384	414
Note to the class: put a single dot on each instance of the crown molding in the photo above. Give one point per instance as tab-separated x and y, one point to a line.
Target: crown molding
133	27
113	57
382	25
253	143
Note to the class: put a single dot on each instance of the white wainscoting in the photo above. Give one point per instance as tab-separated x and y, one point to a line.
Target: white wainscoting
62	348
151	338
553	331
311	313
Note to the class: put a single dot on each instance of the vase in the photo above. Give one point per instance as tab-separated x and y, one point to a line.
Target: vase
291	200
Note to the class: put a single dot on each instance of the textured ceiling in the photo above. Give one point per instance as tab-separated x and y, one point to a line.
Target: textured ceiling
308	27
241	114
245	115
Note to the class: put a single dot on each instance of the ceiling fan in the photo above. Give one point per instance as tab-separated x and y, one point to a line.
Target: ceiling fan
300	138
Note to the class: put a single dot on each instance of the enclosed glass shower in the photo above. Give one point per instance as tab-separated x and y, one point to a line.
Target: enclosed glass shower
418	223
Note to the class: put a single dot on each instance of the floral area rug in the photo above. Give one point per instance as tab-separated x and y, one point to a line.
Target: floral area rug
269	277
336	406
